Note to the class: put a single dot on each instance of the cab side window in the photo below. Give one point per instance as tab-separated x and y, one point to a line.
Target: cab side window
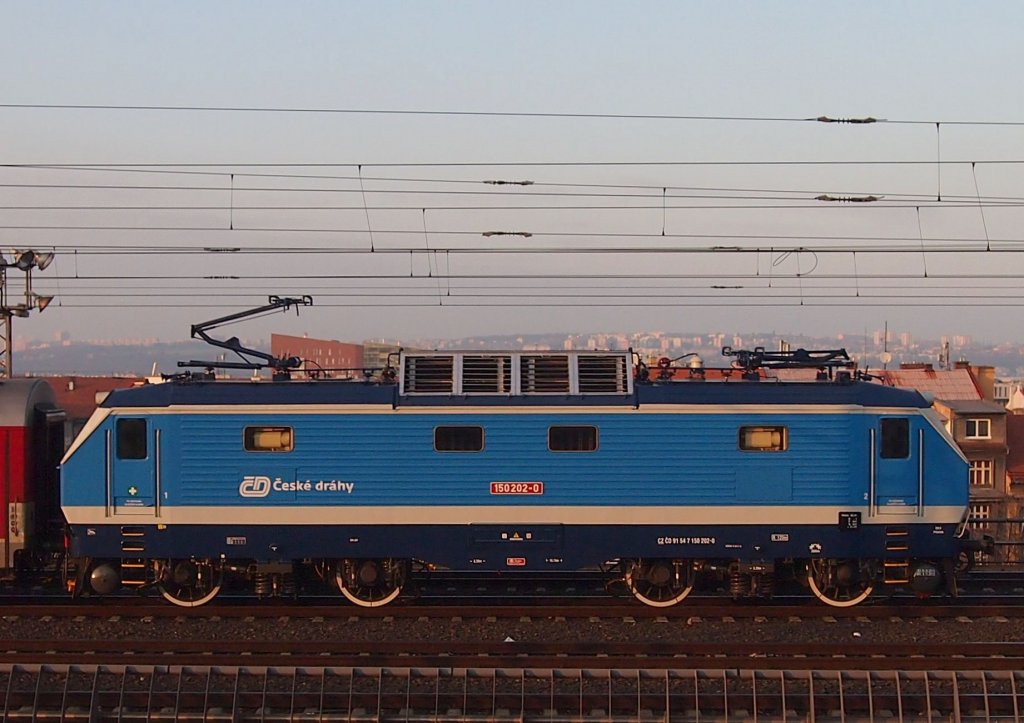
764	439
895	438
268	439
131	439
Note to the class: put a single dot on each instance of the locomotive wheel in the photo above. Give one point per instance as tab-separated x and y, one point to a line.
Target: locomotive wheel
659	583
190	583
370	583
839	583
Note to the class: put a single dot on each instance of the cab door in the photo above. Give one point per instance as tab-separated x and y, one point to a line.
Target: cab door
133	457
895	468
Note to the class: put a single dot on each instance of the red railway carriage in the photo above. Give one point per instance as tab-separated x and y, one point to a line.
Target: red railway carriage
31	444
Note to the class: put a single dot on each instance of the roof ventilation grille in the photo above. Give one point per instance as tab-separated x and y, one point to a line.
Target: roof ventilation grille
516	373
429	374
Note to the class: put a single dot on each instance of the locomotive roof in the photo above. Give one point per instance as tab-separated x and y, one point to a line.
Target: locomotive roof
733	392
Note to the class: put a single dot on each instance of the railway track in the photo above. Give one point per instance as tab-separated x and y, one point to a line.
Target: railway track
134	608
709	659
650	655
150	661
364	694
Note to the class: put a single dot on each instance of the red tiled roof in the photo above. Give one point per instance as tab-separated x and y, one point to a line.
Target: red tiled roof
77	395
942	384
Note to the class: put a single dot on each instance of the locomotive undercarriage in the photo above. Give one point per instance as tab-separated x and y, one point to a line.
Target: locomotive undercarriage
655	582
834	581
194	582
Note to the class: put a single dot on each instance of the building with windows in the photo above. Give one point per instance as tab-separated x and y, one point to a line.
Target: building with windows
1002	391
964	397
979	428
1015	475
379	354
320	356
1015	400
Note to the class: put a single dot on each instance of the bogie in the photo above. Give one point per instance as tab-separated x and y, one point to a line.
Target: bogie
189	583
371	583
841	583
659	583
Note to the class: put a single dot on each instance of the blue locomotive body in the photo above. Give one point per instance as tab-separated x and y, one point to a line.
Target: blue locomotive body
551	462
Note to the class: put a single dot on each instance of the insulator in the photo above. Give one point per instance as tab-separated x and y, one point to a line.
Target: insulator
765	585
827	119
288	587
739	584
263	585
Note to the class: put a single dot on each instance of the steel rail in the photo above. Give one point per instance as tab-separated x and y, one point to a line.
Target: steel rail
93	692
136	608
604	654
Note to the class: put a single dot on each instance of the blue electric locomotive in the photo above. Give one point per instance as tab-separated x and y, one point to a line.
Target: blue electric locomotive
512	461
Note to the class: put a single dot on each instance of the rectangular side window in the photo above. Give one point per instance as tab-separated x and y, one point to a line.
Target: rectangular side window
978	429
980	516
981	472
268	439
895	438
572	439
764	439
131	439
458	439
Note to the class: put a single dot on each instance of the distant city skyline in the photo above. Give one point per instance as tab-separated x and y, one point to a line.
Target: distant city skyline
862	337
892	335
80	356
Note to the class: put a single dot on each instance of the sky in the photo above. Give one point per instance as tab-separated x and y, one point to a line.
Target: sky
673	160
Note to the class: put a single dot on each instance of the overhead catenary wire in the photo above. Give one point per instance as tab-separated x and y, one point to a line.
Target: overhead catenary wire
793	205
616	287
489	113
531	287
699	301
656	190
126	165
369	227
920	233
381	194
981	207
879	245
632	277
